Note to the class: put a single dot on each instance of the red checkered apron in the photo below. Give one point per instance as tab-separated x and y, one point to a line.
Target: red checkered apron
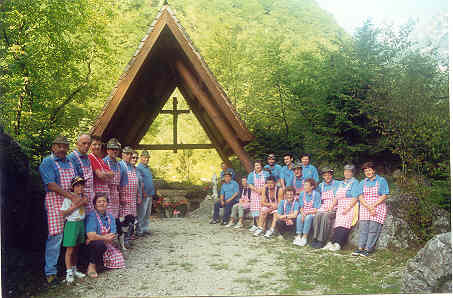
245	200
255	197
299	190
343	204
101	187
114	202
308	206
371	196
288	221
129	193
88	189
113	258
54	201
326	199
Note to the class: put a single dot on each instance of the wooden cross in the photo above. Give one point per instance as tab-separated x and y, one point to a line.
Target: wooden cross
175	112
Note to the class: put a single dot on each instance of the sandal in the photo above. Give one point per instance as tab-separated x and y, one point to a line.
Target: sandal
92	274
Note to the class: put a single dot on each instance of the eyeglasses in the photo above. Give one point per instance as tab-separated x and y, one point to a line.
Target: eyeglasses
134	157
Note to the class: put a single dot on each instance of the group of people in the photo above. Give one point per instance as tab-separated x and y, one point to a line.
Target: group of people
92	199
291	198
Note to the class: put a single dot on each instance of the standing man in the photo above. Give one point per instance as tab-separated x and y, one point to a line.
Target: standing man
298	180
57	173
82	166
144	209
228	197
286	173
308	170
273	167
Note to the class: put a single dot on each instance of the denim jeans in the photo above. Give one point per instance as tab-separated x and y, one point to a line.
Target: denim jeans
53	245
303	227
143	214
226	212
368	234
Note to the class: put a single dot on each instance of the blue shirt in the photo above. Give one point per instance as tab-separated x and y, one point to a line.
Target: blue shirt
49	171
287	175
147	177
315	196
383	186
275	170
289	210
251	177
299	182
310	171
228	190
333	185
76	163
114	166
92	224
228	170
353	190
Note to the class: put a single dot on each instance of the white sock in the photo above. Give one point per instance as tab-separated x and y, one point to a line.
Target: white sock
69	271
74	268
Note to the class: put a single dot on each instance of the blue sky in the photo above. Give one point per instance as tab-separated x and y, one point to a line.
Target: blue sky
352	13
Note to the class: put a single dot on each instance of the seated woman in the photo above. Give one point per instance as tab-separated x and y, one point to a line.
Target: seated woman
287	211
309	203
238	211
101	231
346	200
270	197
373	191
325	217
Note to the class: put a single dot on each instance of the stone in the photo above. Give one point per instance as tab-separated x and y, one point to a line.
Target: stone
430	270
442	221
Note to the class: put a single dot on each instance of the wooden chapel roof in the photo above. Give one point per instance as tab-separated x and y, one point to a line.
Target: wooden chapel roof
166	58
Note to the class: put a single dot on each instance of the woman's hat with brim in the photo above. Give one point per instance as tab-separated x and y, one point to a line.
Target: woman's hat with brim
60	140
77	180
128	149
326	169
349	167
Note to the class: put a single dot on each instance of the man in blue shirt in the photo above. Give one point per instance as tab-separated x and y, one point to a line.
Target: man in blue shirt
57	173
273	167
286	172
308	170
228	197
287	211
144	209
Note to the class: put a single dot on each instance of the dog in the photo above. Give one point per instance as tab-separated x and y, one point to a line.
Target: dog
124	224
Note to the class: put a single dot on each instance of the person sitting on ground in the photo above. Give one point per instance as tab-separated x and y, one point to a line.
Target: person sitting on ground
74	229
373	191
286	214
309	202
238	211
273	167
308	170
228	195
101	231
325	217
272	194
256	181
346	200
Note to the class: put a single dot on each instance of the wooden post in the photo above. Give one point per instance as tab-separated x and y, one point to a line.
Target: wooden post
175	124
215	115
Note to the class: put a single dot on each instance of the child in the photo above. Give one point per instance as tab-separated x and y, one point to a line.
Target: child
74	230
240	209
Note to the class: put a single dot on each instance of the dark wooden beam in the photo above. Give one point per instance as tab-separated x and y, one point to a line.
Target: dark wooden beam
178	111
173	147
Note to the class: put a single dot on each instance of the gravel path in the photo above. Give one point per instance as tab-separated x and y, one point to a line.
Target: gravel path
189	257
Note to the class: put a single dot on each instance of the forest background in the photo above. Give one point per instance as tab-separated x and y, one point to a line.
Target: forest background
297	79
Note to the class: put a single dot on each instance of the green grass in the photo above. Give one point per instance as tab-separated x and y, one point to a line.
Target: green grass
188	267
245	270
219	266
340	273
252	262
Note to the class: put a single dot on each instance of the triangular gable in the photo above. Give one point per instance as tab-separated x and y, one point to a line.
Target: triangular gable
166	59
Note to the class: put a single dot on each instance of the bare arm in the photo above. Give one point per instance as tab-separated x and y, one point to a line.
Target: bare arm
232	197
92	236
71	209
52	186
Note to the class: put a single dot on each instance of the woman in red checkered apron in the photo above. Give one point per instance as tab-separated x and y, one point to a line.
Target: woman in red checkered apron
113	258
309	202
113	206
102	173
256	181
272	194
88	188
325	217
129	192
345	199
373	209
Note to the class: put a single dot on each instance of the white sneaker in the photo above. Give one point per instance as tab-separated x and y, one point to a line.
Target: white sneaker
303	242
78	274
258	232
296	240
269	233
253	228
238	226
327	246
335	247
69	278
230	224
